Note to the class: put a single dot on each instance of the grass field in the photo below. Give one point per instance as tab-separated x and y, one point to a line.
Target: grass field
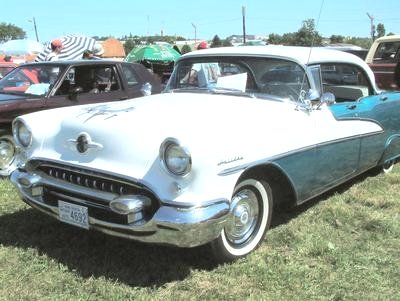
342	246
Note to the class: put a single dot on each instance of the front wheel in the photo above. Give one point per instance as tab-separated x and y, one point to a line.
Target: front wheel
250	217
7	155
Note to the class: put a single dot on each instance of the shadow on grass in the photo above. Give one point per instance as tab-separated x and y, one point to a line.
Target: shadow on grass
92	253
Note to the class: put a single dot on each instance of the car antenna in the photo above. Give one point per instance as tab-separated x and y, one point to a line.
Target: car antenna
311	46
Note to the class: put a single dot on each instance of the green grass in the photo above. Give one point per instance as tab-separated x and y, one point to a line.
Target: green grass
342	246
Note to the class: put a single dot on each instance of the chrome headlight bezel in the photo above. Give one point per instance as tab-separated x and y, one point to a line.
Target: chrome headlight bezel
175	158
22	133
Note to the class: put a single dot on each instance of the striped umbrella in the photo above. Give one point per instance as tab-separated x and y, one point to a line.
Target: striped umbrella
73	47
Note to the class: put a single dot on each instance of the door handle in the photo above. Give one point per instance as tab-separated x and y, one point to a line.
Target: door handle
351	107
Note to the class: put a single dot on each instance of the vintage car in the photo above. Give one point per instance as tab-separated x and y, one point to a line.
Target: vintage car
238	132
39	86
384	59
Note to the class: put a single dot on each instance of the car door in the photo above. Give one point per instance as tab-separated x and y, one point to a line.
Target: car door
352	91
339	129
85	84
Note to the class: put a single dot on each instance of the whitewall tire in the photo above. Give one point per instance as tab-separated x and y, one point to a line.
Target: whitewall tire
7	155
250	218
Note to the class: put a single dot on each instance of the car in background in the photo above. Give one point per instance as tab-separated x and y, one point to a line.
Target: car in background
238	132
349	48
6	67
39	86
384	59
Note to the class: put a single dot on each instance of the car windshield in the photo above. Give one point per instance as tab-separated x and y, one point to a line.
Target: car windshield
260	77
30	79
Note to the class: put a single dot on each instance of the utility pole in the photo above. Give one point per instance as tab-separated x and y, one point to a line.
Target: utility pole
371	18
195	32
34	26
244	23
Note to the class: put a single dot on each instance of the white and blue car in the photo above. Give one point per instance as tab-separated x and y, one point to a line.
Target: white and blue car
237	132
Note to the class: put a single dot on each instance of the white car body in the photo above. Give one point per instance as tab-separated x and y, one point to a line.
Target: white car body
232	139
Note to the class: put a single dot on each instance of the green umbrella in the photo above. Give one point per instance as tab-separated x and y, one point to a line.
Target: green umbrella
155	54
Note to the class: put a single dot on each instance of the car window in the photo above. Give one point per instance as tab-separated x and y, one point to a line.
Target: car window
387	52
347	82
261	76
130	75
29	79
90	79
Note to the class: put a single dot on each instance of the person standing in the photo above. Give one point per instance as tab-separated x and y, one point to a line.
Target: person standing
56	46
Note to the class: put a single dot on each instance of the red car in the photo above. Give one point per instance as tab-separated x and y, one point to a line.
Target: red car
46	85
6	67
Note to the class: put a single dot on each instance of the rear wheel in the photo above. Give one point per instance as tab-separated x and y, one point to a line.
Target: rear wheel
250	217
388	166
7	155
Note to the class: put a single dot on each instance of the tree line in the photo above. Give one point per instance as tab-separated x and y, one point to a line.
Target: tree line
306	35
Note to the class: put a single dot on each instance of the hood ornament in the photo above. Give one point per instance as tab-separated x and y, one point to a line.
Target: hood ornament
83	143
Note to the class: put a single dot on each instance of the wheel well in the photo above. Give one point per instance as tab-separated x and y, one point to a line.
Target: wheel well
282	190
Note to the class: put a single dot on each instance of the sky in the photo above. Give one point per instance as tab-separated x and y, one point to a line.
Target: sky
206	18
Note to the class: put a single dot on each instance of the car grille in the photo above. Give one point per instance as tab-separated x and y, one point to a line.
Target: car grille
95	181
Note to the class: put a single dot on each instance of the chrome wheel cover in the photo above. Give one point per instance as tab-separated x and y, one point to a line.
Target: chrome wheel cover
245	214
7	153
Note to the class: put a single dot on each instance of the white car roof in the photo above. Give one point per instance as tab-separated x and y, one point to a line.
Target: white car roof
302	55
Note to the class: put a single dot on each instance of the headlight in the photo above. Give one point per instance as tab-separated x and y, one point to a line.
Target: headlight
22	134
175	157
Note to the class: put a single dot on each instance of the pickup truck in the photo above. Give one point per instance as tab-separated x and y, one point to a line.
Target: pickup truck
39	86
384	59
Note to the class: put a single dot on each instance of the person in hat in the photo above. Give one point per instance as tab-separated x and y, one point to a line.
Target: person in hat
56	46
88	55
98	50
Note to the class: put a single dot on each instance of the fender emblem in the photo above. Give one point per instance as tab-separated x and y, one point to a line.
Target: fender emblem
230	160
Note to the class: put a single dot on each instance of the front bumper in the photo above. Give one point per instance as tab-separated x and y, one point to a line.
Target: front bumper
182	225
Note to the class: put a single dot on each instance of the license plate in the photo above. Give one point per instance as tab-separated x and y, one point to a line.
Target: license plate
73	214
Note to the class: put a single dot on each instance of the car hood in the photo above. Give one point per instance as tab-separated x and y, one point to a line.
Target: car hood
129	133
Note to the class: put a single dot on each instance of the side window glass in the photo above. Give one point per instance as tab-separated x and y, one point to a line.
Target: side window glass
387	52
96	79
347	82
130	75
284	79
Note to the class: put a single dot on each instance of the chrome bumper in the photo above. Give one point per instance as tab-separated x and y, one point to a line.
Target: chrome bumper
172	224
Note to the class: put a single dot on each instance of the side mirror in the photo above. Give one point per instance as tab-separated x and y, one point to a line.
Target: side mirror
146	89
328	98
73	93
312	95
